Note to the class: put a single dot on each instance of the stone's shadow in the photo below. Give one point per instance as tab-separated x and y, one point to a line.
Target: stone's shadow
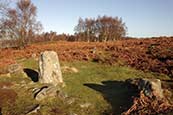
32	74
0	111
169	81
167	84
39	90
118	93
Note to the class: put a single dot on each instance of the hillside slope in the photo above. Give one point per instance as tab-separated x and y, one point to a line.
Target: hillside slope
154	55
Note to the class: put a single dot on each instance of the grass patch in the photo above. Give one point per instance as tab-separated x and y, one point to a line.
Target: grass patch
96	89
101	85
30	63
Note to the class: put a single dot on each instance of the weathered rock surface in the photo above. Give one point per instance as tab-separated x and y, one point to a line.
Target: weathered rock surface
150	87
69	69
49	68
85	105
14	68
31	109
45	92
151	98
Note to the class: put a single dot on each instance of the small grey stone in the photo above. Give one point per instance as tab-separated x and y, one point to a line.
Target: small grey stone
14	68
69	101
45	92
71	113
31	109
85	105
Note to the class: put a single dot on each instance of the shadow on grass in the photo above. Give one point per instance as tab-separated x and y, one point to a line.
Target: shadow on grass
118	93
32	74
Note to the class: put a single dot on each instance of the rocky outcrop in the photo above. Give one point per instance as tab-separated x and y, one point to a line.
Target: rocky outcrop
151	99
49	68
150	87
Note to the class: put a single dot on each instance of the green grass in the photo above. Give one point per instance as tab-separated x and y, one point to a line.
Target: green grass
30	63
98	85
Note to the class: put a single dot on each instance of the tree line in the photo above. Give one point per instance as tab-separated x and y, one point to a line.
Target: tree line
103	28
20	24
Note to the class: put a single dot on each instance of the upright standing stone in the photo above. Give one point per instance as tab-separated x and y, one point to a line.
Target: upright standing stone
49	68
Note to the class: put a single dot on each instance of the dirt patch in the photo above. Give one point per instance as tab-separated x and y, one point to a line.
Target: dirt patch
7	96
5	84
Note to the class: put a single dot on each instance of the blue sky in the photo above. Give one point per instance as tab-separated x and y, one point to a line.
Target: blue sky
144	18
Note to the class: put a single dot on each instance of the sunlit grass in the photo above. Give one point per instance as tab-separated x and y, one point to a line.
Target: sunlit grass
97	85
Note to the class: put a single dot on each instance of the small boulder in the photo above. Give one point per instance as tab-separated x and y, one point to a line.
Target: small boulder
45	92
151	99
85	105
31	109
150	87
14	68
69	69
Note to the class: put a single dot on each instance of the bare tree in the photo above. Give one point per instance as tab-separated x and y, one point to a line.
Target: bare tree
20	22
85	29
4	4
